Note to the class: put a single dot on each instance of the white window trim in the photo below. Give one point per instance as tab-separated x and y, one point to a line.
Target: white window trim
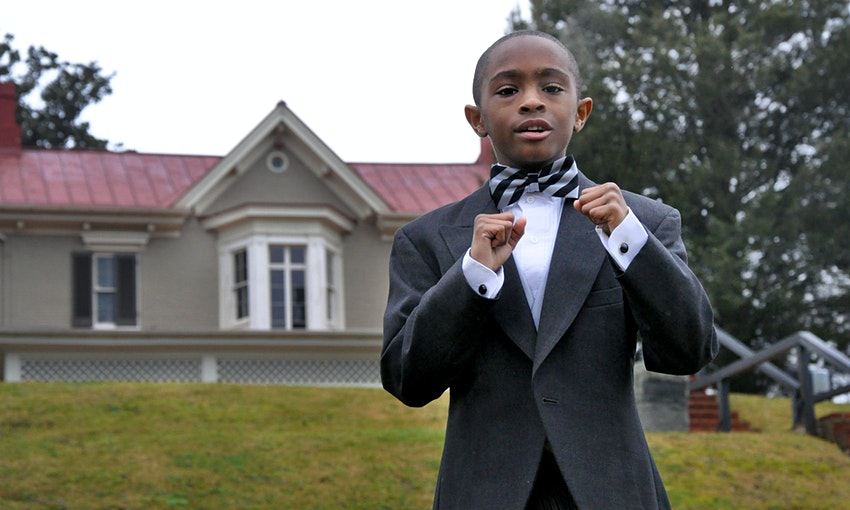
259	314
111	326
96	289
337	305
233	287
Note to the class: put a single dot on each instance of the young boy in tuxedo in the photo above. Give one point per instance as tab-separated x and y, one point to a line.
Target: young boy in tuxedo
525	299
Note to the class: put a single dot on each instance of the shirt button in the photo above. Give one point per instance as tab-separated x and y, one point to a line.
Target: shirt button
482	289
624	248
534	239
529	200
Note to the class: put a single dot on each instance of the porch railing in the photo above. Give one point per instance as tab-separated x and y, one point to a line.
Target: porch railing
248	357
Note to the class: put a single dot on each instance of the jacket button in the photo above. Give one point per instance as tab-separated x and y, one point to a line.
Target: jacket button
482	289
624	248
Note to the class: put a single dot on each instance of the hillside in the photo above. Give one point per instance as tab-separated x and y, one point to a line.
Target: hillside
224	447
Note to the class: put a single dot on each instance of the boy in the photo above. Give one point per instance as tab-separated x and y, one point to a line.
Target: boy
526	302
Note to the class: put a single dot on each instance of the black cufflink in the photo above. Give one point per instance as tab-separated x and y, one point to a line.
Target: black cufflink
482	289
624	248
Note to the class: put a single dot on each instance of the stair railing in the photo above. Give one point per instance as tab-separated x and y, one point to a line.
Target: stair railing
800	385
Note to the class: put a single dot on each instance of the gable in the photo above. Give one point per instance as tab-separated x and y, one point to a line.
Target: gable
265	183
282	132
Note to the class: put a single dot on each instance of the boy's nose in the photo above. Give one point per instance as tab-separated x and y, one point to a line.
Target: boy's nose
532	102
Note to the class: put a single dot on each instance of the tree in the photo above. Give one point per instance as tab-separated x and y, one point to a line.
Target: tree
737	114
65	89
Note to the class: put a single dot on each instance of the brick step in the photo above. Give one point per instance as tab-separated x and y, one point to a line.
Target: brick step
696	396
704	415
835	427
702	404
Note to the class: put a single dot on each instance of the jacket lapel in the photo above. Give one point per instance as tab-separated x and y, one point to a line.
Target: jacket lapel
576	260
512	314
511	310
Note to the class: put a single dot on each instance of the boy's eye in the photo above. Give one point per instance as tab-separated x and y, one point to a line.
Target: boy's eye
506	91
553	89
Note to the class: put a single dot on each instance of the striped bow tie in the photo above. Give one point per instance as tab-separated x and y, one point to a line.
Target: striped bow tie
560	179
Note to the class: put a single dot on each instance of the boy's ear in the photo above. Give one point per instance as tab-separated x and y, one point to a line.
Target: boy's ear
582	113
473	116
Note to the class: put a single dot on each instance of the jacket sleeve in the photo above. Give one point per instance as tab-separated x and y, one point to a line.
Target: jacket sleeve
432	323
670	306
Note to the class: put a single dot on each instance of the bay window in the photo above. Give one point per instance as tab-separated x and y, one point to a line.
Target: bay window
286	283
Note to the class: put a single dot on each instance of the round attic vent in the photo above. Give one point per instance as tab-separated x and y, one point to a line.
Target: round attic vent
277	162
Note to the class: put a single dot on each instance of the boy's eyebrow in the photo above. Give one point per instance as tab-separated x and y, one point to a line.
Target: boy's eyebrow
544	72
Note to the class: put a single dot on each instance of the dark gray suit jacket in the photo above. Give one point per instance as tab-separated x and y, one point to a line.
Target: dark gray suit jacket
511	387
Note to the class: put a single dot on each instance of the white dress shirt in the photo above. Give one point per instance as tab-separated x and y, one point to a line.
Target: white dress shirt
533	252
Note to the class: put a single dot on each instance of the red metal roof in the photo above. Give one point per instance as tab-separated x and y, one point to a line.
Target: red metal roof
418	188
61	178
96	178
99	178
422	187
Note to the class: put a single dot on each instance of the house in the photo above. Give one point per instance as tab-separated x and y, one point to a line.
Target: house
266	265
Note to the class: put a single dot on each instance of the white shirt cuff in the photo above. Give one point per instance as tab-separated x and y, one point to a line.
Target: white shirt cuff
481	278
625	241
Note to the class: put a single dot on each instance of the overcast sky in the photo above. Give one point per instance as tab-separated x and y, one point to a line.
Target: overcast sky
376	80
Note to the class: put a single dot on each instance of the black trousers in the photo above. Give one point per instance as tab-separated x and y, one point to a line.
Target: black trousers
550	492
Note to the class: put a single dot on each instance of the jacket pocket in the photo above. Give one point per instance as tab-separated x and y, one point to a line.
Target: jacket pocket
605	297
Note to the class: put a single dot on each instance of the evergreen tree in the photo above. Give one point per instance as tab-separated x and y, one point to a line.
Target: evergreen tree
736	113
65	89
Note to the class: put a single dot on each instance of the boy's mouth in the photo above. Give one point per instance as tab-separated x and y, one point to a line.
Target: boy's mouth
534	129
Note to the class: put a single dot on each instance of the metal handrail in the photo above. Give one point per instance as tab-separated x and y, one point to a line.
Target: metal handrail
804	398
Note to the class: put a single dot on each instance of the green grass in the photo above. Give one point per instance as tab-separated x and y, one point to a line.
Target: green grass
220	447
774	469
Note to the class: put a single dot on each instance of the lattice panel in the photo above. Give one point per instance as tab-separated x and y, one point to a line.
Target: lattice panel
79	370
300	372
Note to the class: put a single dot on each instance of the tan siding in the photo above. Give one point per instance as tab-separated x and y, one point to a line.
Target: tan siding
297	185
38	280
179	282
366	278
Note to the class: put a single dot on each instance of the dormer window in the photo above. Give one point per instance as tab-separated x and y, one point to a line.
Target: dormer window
288	285
280	268
281	283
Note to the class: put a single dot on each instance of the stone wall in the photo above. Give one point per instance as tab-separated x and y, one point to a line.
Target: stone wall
662	400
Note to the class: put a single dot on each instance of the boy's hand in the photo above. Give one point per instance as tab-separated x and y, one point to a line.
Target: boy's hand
604	205
494	237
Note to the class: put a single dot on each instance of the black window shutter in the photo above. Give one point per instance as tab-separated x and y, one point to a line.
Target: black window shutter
81	316
125	290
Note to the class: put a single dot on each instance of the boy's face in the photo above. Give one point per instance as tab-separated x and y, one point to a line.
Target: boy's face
529	106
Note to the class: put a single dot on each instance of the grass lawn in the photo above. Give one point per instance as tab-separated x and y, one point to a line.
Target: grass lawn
121	446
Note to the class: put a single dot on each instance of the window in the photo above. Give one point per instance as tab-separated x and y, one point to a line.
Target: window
277	282
288	285
104	290
240	283
280	266
331	291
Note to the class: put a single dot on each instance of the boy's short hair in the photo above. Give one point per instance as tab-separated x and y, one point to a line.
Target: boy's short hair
484	59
